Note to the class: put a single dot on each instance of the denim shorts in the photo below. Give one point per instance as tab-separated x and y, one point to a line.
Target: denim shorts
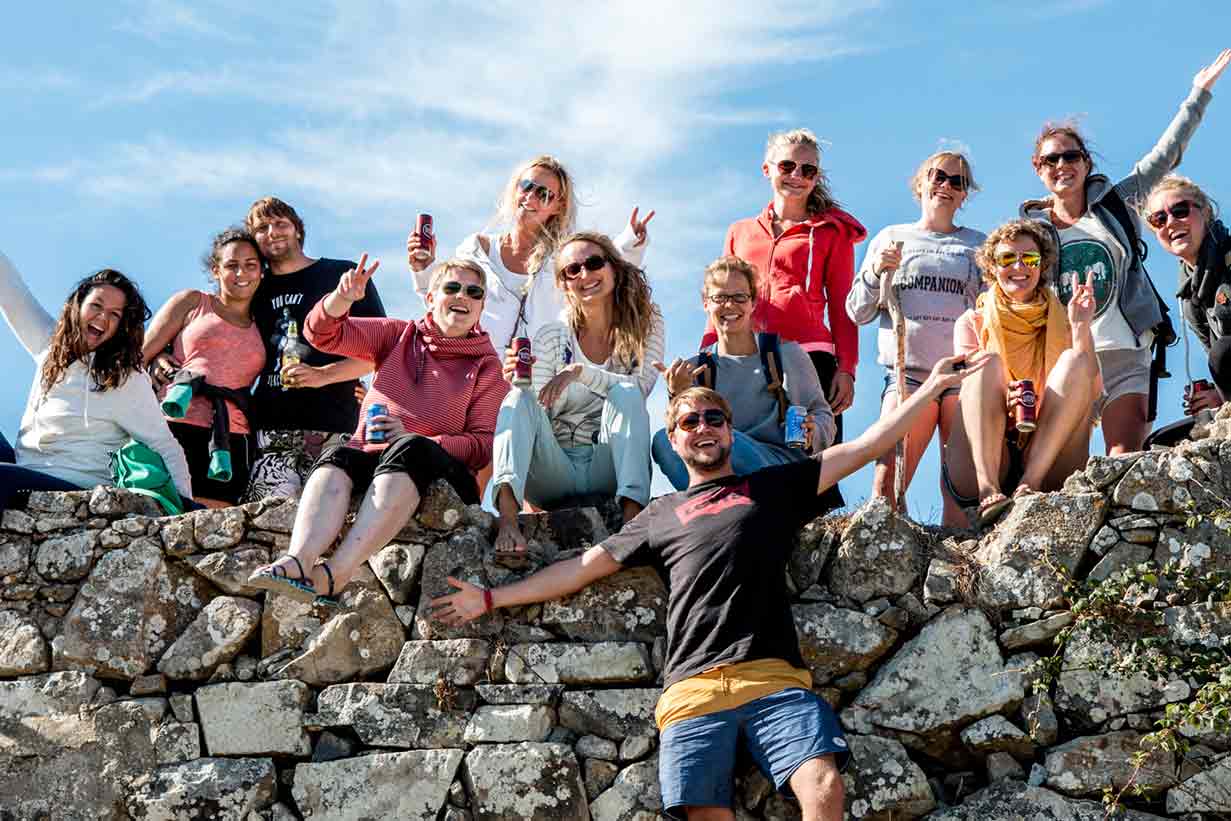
912	384
782	731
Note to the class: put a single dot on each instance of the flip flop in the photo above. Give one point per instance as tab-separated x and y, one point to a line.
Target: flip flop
992	508
329	599
273	578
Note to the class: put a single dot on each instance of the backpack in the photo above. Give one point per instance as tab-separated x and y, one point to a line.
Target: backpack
138	468
770	348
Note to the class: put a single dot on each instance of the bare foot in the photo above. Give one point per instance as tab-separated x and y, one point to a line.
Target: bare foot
510	547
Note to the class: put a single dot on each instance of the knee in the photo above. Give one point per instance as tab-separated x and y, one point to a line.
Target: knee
823	789
660	446
626	396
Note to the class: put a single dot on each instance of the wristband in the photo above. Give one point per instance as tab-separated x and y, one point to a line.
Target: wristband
488	606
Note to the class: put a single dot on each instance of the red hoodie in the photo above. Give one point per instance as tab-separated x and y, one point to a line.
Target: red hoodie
807	266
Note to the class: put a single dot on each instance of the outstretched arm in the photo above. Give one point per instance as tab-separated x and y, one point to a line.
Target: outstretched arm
552	582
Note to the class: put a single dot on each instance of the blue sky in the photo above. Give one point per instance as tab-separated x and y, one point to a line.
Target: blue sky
134	130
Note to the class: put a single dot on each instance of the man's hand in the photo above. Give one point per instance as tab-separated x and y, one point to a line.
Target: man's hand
354	283
841	392
304	376
1209	399
460	607
679	376
162	370
950	371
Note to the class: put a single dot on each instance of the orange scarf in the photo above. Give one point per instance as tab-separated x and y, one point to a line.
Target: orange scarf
1029	336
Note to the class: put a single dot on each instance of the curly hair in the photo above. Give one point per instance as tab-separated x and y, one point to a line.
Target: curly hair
113	361
1175	182
1065	128
236	233
269	207
920	177
557	226
633	312
820	198
985	256
730	265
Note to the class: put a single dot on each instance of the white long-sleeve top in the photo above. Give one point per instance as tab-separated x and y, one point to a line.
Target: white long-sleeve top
70	431
577	413
544	300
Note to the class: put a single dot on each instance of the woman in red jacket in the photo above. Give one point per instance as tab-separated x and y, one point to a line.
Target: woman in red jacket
803	247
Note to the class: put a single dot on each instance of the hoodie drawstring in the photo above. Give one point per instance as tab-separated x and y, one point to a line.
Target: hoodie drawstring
808	276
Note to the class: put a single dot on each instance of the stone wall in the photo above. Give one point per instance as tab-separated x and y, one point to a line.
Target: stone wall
141	679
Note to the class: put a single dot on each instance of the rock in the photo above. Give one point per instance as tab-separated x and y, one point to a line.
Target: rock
175	743
441	508
634	795
14	554
1199	625
630	605
1015	801
1087	765
397	567
40	713
461	556
66	558
995	734
877	554
1168	482
1035	633
254	719
1003	767
331	747
1206	546
1042	525
218	529
278	516
154	685
835	642
1088	695
17	521
408	786
1104	471
610	713
504	723
604	662
175	532
23	650
882	782
598	775
1104	540
519	694
181	706
941	585
512	782
104	500
1206	792
593	746
636	747
947	676
215	637
1038	716
814	544
230	569
410	716
462	662
288	625
1121	556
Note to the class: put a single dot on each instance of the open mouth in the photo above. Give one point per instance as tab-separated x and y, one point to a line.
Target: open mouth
942	194
94	333
587	290
1177	236
459	309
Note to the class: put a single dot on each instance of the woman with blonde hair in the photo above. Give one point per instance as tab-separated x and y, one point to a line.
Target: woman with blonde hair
930	264
1021	323
802	244
581	427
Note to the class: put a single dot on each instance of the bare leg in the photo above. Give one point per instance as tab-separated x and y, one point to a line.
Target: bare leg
630	509
1067	398
319	518
509	538
1124	424
983	421
917	440
389	503
709	814
211	503
819	788
948	418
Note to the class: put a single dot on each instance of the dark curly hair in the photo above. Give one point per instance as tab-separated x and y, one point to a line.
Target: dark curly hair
114	360
236	233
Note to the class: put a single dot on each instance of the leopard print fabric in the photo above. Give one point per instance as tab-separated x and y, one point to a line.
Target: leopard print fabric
286	458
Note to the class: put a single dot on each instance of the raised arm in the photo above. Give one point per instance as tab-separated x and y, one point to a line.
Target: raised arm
30	323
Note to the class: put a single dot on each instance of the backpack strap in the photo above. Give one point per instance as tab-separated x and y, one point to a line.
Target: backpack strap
771	366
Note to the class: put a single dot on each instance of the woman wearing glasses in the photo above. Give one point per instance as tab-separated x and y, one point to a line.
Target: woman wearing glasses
439	386
931	263
1088	217
581	425
1183	218
730	295
1020	321
803	247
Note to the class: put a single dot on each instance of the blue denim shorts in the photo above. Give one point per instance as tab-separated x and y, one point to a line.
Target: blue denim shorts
696	761
912	384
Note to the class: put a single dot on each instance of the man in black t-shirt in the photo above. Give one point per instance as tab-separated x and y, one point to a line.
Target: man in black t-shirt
311	405
733	670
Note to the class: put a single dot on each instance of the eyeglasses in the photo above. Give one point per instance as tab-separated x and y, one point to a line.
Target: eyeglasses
544	193
956	181
590	263
1071	157
691	421
787	167
453	287
1179	210
723	299
1007	259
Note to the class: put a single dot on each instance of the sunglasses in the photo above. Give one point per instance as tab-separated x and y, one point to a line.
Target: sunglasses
1071	157
956	181
691	421
453	288
590	263
787	167
1179	210
544	193
1008	259
723	299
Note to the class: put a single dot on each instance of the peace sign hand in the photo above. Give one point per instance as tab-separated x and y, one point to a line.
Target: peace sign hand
354	283
638	227
1083	303
1209	75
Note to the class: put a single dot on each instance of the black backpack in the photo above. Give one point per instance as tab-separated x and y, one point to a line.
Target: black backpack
770	348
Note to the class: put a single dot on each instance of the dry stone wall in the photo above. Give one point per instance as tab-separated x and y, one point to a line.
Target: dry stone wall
141	679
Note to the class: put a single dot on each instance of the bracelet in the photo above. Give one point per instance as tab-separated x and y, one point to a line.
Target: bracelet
488	606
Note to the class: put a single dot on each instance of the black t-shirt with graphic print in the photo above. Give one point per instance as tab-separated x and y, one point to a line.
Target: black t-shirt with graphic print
284	297
721	548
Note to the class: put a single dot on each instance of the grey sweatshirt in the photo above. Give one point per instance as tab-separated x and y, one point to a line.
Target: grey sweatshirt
939	282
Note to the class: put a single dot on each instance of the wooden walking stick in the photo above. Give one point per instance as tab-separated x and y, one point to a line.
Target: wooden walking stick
890	291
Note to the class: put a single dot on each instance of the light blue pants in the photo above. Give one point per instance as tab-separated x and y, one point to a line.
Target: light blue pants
748	455
528	458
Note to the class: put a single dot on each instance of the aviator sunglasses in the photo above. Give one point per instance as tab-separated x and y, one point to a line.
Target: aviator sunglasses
590	263
956	181
453	287
1179	210
1007	259
1071	157
544	193
691	421
807	170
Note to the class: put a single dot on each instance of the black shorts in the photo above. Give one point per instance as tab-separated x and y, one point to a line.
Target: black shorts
826	366
419	457
194	439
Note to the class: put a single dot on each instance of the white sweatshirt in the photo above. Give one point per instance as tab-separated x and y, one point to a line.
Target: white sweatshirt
71	431
544	301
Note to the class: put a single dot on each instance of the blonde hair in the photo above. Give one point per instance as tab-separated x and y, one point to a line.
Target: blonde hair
451	266
985	256
1182	184
633	312
556	226
820	199
921	173
730	265
693	396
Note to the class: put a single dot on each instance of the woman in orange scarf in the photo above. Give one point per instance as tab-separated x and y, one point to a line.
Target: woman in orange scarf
1021	323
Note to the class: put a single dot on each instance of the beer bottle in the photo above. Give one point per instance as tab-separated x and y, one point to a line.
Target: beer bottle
291	348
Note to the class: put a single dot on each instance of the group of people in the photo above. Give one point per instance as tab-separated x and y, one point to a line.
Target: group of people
251	389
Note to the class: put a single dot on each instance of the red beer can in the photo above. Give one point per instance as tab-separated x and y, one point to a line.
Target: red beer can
1195	387
521	347
1027	402
423	227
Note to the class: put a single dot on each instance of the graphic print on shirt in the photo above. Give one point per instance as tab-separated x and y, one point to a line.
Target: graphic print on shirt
1082	257
714	502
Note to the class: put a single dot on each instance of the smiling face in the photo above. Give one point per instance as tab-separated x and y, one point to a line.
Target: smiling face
455	314
589	287
278	238
793	186
1064	177
530	209
100	315
728	317
704	449
1181	237
238	270
1019	281
942	197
